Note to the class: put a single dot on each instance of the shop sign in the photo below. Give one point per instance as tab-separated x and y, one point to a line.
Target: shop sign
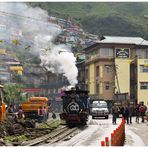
122	52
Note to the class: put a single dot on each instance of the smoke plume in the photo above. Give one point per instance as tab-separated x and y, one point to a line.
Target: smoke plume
33	24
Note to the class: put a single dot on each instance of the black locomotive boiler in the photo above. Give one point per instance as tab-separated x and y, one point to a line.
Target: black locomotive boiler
75	107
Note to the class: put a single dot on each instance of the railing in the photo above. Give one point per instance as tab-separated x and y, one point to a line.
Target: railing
117	137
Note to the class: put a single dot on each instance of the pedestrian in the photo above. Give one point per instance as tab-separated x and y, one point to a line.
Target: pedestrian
130	114
114	113
20	113
142	110
40	114
127	114
44	113
10	114
137	113
122	112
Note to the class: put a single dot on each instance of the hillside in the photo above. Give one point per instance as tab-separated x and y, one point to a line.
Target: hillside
103	18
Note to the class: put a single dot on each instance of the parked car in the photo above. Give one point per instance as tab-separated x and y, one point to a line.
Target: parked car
100	109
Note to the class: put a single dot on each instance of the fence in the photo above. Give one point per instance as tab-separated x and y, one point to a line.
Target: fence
117	137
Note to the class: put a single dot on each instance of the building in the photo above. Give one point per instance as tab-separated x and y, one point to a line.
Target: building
117	68
8	65
41	82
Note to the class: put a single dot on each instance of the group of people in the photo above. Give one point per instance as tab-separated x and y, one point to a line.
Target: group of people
128	112
12	114
43	114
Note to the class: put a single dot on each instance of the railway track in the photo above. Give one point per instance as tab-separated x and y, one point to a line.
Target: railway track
50	138
46	133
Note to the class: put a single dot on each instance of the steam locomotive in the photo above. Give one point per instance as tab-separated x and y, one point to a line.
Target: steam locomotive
75	107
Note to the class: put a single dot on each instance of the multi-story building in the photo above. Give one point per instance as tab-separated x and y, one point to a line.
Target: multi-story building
8	64
4	73
117	68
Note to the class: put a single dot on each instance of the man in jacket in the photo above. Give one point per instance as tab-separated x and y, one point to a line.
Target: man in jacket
114	113
142	110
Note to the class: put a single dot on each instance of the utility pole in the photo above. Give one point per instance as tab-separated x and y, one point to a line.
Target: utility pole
116	76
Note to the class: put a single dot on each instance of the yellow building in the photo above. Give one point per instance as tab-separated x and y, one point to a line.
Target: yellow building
142	80
113	69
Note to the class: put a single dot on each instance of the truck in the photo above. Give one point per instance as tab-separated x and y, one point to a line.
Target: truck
30	108
2	104
99	109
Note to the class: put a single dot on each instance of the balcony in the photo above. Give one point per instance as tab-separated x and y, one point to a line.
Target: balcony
97	58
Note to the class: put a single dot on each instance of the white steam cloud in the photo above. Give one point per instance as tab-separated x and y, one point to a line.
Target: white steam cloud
34	21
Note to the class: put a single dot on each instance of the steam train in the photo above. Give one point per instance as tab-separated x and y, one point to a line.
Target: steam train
75	107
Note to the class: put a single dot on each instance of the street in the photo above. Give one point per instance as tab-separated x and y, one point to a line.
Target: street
98	129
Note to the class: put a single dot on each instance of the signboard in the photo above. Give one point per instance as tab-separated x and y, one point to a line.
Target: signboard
122	52
32	89
145	62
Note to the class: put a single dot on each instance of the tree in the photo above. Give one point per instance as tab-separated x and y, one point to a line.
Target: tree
13	93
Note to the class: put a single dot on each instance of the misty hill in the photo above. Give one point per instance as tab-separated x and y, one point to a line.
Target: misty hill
103	18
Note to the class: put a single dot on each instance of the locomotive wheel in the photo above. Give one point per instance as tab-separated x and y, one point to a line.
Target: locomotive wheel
83	122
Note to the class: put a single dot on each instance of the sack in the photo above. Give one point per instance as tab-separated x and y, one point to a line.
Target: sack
142	109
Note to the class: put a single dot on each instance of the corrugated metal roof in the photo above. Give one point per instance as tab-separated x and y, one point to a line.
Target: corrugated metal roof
123	40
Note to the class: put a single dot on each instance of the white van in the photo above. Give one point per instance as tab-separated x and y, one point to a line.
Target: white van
100	109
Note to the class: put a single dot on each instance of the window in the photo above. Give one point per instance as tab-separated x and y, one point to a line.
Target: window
97	71
97	79
143	68
3	76
143	85
139	53
106	52
97	88
3	68
107	86
86	74
108	69
146	54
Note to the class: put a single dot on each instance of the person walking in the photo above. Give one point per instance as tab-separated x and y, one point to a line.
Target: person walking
40	114
142	110
137	113
114	113
127	114
10	113
130	114
123	112
44	113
